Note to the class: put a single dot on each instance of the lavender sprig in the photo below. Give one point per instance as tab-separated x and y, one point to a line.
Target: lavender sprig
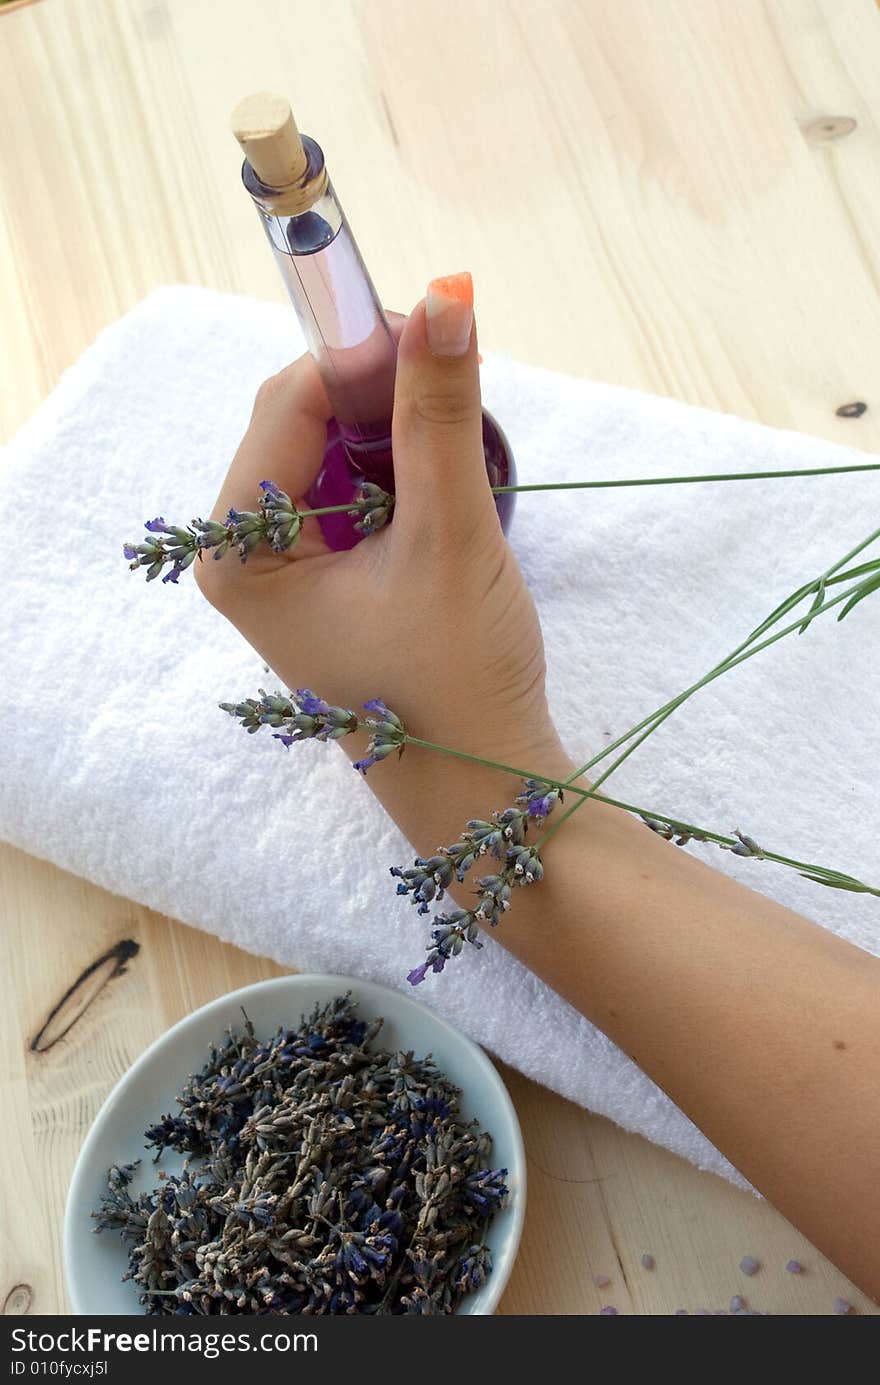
304	716
504	838
429	877
299	716
276	522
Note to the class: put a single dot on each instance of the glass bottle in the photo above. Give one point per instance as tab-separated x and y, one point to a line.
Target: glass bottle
344	324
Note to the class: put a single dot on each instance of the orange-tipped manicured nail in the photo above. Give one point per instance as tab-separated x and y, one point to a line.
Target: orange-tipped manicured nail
450	314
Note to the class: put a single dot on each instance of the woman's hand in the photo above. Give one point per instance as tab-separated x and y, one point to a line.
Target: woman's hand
431	613
761	1026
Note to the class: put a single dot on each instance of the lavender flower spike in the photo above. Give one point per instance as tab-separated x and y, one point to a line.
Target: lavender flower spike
504	838
167	546
426	881
275	521
301	717
283	521
374	508
449	935
389	734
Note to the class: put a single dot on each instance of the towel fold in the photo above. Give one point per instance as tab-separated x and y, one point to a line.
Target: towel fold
118	765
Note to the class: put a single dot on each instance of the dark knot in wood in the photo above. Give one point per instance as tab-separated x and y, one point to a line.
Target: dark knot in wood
85	989
18	1301
825	129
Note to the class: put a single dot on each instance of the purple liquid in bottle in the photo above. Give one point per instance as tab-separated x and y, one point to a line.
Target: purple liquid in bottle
351	341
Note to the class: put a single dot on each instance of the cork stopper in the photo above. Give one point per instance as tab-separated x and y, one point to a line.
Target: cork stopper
265	128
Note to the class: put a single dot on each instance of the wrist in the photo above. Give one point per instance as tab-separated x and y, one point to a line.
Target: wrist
431	794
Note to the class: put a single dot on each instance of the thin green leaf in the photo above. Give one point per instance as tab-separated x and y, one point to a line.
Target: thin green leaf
860	571
787	605
833	881
872	584
818	599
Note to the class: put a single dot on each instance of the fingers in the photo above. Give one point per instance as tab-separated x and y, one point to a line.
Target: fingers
285	439
439	468
286	436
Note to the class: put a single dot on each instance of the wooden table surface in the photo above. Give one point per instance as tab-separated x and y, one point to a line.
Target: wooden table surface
678	195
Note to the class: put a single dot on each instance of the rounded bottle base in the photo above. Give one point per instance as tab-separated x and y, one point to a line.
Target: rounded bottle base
339	482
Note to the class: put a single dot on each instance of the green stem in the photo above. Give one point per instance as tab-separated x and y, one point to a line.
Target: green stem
742	650
650	724
699	833
639	481
492	764
687	480
738	655
330	510
724	667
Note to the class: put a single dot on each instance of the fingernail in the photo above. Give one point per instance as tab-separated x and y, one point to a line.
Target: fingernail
450	314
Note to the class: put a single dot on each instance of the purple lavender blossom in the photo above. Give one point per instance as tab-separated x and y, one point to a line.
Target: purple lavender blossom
388	734
310	704
374	508
426	880
375	704
289	721
538	799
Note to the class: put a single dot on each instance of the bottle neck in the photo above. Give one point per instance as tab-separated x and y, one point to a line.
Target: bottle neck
343	321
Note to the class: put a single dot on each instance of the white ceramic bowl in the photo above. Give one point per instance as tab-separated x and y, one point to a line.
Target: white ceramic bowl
94	1264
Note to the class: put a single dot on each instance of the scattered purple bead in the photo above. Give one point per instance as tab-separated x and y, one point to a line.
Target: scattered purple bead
737	1303
842	1305
795	1267
648	1261
749	1265
608	1312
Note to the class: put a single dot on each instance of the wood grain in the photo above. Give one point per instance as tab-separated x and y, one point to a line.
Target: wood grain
680	198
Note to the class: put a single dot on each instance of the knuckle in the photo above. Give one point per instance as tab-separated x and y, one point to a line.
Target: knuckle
267	393
442	405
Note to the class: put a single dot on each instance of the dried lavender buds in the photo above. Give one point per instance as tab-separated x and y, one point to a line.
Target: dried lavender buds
322	1176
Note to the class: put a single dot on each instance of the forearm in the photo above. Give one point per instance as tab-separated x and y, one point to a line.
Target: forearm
761	1026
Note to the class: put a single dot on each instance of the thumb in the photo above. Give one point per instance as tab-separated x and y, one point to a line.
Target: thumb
439	466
